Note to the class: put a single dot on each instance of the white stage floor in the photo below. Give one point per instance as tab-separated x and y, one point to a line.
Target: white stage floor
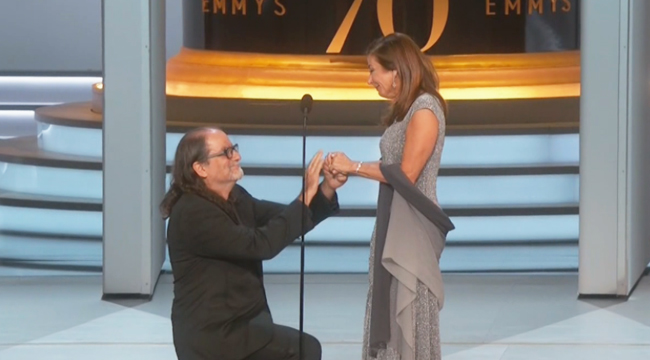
486	317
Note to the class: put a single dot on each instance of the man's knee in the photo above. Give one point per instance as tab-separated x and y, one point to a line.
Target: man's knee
311	347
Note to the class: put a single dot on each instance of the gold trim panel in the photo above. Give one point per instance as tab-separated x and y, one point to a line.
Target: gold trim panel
212	74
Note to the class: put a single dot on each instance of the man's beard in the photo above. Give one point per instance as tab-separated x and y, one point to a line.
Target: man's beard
236	175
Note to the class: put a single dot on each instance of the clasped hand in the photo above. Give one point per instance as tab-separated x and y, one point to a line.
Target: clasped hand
333	179
339	164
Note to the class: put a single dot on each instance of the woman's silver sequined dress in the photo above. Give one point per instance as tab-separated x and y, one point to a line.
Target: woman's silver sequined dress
426	310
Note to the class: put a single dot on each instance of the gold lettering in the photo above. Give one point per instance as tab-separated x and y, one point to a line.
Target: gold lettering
259	6
567	6
385	17
488	5
438	23
553	6
344	29
239	5
282	10
219	4
512	5
535	4
205	6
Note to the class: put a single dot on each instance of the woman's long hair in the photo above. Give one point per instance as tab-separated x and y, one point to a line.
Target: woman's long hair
415	71
192	148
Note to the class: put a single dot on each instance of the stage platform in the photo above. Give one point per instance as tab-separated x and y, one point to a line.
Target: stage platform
486	317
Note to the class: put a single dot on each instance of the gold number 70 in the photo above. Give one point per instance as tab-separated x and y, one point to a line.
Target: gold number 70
385	17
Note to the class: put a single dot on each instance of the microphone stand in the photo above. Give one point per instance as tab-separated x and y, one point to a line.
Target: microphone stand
302	236
305	105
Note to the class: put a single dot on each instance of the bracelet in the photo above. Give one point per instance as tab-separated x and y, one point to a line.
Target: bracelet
358	167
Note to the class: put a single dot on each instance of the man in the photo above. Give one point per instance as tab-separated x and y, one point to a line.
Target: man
218	236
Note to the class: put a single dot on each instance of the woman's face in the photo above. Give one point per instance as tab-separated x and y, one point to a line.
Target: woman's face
385	81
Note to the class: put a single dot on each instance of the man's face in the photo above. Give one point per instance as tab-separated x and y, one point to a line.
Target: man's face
223	164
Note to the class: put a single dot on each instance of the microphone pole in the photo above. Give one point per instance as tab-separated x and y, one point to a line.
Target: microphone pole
305	106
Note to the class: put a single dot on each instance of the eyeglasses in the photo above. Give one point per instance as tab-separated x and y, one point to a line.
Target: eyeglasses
228	152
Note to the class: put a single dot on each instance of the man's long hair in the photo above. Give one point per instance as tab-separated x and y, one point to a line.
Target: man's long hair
415	71
192	148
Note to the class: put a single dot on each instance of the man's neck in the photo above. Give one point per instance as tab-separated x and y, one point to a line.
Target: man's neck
223	190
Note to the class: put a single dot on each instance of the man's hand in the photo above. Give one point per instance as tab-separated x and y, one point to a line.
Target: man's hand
312	175
332	181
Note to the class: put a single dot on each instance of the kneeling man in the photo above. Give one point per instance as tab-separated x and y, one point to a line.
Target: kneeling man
218	236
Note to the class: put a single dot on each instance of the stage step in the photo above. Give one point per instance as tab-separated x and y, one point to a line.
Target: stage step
28	150
73	217
17	122
85	254
481	188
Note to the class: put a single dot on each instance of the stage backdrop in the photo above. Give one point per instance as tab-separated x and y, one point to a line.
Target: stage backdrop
281	49
345	27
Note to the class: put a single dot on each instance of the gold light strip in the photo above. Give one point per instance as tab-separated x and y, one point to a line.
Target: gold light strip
212	74
341	94
261	76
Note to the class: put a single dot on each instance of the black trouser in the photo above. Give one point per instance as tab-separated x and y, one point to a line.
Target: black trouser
285	345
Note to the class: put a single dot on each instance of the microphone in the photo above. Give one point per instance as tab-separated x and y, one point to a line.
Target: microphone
305	107
305	103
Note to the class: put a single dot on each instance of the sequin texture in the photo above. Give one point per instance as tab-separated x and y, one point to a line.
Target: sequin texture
426	308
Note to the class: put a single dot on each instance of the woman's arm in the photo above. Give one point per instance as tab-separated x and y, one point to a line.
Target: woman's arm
340	163
421	137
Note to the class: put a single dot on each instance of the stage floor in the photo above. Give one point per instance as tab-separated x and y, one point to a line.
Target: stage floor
486	317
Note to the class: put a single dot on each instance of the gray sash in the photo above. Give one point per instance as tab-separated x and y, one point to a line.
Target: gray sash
410	237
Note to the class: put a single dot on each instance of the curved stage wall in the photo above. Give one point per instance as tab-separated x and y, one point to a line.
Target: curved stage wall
493	49
512	196
509	178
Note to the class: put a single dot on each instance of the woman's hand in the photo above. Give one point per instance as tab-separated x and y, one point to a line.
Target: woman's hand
339	163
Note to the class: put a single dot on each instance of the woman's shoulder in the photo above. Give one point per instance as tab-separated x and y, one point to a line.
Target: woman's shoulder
427	101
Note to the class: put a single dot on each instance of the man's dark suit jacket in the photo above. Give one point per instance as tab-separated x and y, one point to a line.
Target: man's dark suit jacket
220	309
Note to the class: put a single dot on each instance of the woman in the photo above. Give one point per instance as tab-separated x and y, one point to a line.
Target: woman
413	141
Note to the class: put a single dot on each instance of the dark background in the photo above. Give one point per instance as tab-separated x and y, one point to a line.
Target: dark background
309	26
